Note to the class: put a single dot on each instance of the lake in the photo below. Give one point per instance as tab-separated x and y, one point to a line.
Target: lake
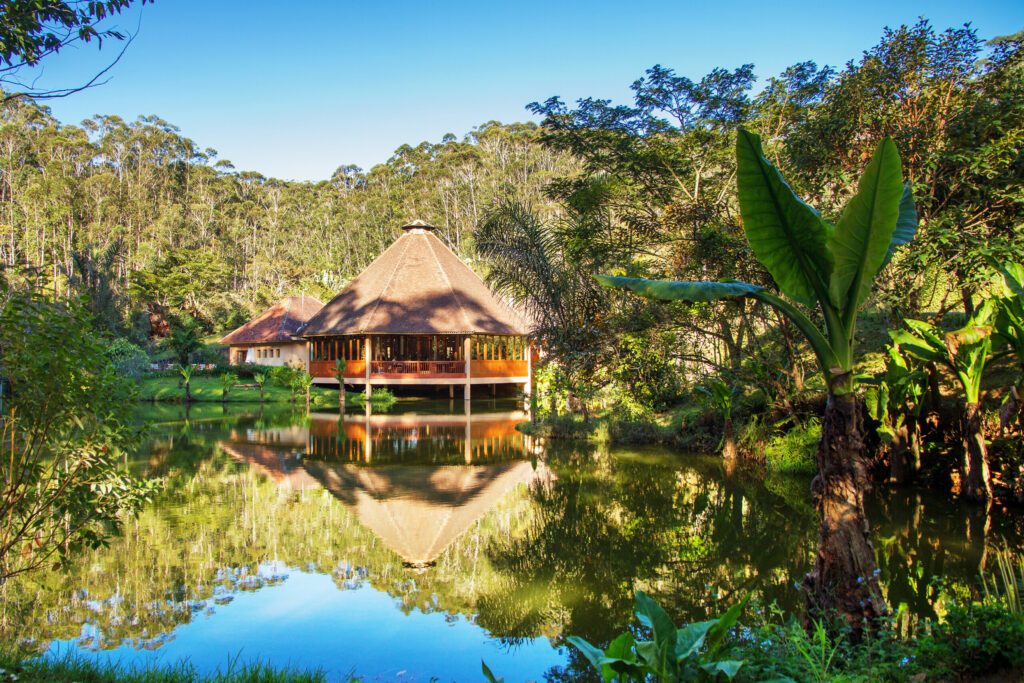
416	543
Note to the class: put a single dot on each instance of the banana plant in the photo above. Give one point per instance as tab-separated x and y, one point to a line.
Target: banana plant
227	381
693	652
720	395
828	269
304	381
964	352
1008	336
260	378
895	403
186	375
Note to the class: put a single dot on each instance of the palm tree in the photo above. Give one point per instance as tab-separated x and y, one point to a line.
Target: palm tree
831	269
339	374
260	378
227	380
304	381
542	267
186	374
720	396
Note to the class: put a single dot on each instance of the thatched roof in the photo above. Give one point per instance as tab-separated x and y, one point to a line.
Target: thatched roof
417	286
418	511
279	323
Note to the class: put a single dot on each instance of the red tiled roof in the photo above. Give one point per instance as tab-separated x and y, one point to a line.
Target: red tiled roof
279	323
417	286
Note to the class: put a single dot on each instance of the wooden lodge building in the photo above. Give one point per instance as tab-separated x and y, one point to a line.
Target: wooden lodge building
420	316
270	338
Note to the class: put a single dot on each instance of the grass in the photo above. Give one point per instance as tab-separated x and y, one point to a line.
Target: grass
207	389
73	667
793	452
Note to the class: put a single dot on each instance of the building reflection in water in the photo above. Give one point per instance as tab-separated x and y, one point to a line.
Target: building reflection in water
416	481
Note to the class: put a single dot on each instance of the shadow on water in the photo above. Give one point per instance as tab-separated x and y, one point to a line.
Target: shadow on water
446	509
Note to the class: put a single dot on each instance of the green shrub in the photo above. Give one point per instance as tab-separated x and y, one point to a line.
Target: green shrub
128	359
281	375
794	451
979	638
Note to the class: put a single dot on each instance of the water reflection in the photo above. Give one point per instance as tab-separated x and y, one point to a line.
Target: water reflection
455	534
417	509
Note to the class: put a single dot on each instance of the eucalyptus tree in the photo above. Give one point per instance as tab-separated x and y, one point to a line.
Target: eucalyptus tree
828	269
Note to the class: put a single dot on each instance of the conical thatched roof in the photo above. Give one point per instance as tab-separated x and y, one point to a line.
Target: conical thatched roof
279	323
418	511
417	286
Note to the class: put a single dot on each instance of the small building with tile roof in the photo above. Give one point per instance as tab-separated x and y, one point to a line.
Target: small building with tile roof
418	315
272	338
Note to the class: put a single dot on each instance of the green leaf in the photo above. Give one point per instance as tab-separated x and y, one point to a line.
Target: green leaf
862	236
718	631
593	654
788	237
672	290
728	667
690	638
876	400
488	675
906	224
669	290
1013	275
651	614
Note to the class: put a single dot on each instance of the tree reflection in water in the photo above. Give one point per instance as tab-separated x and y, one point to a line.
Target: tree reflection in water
434	511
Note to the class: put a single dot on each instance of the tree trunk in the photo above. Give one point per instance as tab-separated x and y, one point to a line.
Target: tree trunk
188	392
976	484
728	441
844	579
905	461
341	399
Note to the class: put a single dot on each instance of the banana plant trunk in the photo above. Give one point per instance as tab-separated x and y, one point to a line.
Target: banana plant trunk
188	392
844	579
728	441
906	453
976	484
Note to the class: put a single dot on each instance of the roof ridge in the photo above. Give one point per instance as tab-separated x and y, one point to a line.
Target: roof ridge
437	261
384	289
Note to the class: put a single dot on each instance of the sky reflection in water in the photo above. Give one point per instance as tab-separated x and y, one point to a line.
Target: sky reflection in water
444	539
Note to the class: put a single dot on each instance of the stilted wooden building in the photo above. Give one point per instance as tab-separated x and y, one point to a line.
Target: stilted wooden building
420	316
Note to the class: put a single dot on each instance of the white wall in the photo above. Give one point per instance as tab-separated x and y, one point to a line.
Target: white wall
291	353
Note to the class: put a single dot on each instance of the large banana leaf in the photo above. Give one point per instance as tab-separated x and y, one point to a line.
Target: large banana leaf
674	290
906	224
670	290
864	233
786	235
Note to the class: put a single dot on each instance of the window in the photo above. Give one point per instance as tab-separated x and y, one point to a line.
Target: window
278	353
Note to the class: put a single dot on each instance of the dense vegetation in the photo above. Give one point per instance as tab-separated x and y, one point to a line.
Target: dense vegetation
131	234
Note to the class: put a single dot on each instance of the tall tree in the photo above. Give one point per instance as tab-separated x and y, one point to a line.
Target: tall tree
828	269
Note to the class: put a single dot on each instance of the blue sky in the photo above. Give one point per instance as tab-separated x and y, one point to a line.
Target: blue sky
294	90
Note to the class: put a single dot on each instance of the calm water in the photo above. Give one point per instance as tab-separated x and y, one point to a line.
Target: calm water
414	544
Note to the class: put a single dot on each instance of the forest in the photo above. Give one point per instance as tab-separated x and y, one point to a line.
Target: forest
869	360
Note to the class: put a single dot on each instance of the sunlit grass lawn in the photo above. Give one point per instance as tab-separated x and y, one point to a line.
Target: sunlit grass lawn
209	389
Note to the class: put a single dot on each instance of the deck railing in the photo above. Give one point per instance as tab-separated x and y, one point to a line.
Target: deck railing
424	369
418	367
